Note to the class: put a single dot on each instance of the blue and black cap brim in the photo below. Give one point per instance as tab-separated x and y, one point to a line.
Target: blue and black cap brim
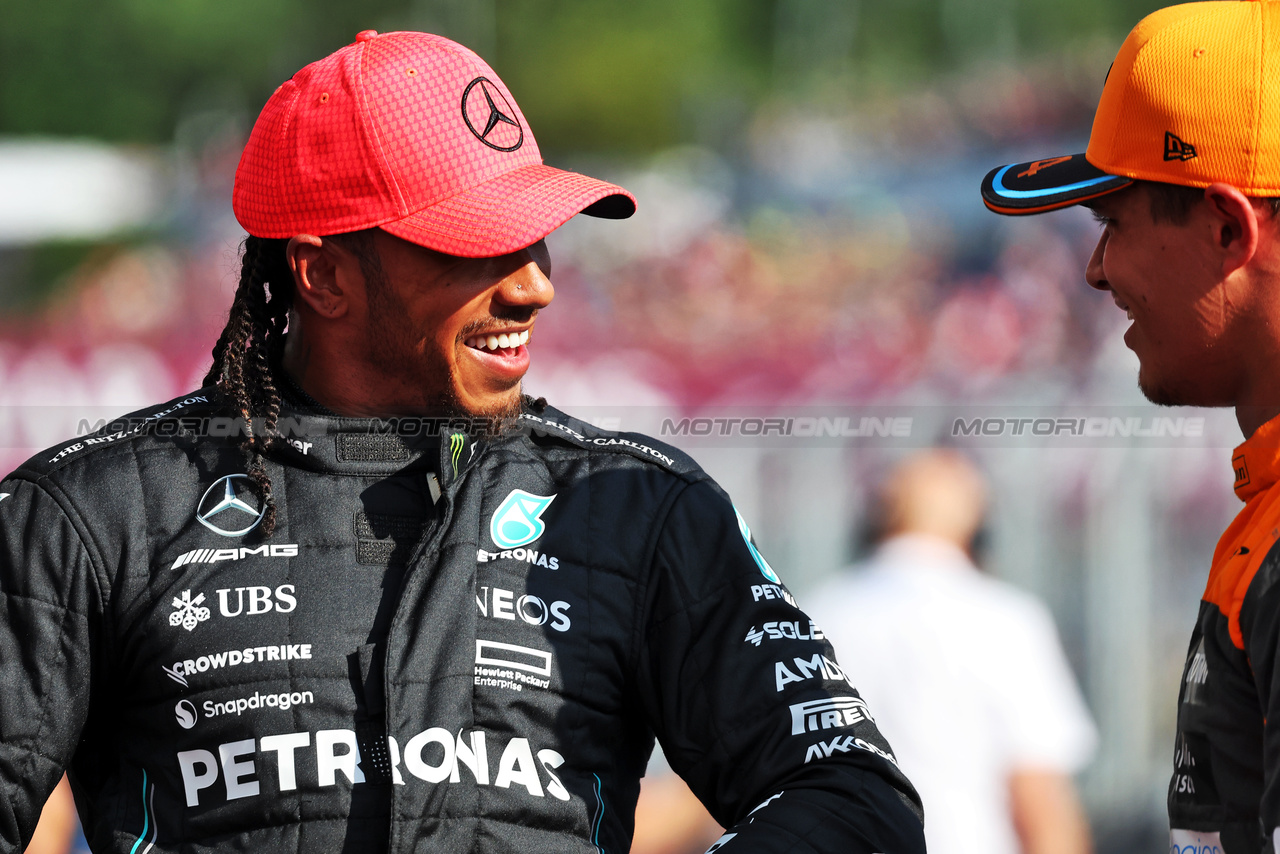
1037	186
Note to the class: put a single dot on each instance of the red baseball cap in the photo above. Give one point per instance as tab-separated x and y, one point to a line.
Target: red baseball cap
414	134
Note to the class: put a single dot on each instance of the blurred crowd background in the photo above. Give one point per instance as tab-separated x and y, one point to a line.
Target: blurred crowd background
810	244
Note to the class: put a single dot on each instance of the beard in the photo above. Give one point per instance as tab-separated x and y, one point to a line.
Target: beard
393	346
1160	394
1206	381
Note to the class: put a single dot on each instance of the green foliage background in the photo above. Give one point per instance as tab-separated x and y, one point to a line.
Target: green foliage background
592	75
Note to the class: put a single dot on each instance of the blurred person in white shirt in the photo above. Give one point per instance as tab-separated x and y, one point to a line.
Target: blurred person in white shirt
965	672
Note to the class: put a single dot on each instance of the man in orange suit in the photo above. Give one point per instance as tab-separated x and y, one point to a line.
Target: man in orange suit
1183	173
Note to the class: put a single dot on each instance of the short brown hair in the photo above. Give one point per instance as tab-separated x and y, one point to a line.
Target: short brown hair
1172	203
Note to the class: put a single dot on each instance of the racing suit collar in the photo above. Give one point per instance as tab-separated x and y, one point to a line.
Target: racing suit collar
319	441
367	446
1256	461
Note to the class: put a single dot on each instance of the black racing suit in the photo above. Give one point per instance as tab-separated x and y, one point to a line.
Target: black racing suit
484	672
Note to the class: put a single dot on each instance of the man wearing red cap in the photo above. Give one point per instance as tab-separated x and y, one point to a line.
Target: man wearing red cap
359	593
1183	173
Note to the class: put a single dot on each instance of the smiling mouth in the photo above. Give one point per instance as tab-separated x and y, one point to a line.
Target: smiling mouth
504	341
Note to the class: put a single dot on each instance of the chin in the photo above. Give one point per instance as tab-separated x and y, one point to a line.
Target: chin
501	410
1163	392
1160	395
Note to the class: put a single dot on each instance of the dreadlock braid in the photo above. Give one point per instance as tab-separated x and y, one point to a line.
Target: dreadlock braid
250	345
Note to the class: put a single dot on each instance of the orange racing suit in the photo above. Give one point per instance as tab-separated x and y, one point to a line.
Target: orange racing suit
1224	797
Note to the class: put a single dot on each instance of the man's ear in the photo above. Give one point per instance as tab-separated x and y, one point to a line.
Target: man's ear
1235	225
317	283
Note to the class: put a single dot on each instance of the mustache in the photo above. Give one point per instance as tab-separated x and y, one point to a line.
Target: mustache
495	324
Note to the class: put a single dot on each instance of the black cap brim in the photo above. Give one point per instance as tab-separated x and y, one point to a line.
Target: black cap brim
1037	186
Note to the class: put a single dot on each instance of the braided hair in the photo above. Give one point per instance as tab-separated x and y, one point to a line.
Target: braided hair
250	345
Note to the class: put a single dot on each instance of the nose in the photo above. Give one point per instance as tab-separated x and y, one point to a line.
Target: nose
527	286
1094	273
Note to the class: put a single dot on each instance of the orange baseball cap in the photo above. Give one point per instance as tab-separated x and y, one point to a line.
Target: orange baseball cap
415	134
1192	98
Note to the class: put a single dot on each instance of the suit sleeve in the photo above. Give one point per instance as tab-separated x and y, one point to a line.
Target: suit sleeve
750	706
1260	628
45	596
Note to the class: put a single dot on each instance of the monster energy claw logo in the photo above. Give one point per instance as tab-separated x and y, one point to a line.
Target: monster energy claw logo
517	521
456	442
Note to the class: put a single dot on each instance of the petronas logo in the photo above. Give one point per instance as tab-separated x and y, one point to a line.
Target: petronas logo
517	521
765	569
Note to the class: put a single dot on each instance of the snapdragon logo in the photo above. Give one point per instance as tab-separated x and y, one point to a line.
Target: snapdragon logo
518	519
185	713
283	701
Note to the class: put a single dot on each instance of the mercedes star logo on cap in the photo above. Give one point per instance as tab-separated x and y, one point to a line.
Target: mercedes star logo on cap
480	108
221	509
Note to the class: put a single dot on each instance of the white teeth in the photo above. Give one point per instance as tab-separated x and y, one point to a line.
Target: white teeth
499	342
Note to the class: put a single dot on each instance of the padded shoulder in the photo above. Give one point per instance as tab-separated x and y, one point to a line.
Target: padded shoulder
1246	552
191	414
554	424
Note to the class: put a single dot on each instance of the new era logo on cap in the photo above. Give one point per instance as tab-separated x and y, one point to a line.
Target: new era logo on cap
1176	149
1207	69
